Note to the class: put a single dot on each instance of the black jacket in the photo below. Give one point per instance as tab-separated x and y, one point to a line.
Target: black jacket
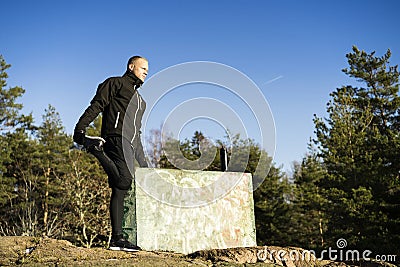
116	98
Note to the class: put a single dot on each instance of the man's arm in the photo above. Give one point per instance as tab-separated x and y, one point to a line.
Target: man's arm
102	98
139	154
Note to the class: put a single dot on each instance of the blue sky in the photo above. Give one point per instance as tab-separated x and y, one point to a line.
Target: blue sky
293	50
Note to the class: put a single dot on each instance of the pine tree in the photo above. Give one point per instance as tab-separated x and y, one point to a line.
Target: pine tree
272	209
308	222
15	129
10	116
195	154
359	145
23	209
53	144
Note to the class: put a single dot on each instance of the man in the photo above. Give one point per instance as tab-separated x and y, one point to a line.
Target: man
119	145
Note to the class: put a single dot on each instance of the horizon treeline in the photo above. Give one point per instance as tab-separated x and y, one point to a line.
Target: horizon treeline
346	187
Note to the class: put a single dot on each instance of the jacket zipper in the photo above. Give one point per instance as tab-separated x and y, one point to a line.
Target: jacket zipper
134	119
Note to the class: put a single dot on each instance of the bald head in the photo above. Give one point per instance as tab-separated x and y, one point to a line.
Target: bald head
139	66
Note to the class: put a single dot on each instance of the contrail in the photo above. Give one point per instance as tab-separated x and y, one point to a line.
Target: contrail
274	79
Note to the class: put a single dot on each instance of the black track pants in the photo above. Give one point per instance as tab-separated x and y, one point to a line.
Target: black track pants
114	161
117	211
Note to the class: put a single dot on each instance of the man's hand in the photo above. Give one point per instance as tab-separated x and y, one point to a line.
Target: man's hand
79	137
93	143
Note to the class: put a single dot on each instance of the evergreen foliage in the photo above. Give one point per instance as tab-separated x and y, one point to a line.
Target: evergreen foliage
47	188
359	147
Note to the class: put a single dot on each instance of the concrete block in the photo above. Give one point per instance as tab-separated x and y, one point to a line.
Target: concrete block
185	211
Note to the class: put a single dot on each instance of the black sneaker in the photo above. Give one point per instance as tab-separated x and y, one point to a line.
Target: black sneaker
93	143
123	245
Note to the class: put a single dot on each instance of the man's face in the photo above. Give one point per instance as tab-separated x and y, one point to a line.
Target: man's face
140	68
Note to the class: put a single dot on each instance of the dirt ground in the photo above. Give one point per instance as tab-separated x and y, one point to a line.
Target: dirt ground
30	251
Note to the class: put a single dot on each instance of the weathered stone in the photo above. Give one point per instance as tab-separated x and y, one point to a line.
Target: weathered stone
186	211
